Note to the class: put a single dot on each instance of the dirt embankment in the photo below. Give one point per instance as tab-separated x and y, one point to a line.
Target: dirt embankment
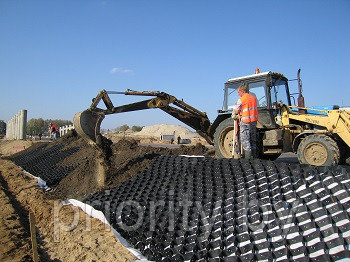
71	166
72	236
126	160
129	159
9	147
14	231
69	158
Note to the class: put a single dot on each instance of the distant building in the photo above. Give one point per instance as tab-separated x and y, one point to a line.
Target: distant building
167	137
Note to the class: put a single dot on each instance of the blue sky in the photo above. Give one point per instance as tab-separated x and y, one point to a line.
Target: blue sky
56	55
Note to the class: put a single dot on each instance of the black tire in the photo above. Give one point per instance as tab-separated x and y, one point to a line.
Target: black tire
318	150
344	153
223	133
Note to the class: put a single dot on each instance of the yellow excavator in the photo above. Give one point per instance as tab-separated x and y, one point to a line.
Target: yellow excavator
320	135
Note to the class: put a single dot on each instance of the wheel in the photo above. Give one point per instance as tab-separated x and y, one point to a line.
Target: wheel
318	150
223	138
344	154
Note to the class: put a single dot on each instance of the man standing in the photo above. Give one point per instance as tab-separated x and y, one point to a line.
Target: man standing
247	111
53	130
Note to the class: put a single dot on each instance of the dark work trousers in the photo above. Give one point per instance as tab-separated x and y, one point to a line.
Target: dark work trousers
248	136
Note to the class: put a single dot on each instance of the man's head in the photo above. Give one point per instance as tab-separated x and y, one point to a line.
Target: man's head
242	89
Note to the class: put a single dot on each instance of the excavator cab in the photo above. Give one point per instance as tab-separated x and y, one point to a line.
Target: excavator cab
271	91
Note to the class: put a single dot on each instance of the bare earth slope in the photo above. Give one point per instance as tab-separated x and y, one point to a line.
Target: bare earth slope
88	239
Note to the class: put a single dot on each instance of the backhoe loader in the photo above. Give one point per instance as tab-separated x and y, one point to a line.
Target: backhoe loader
320	136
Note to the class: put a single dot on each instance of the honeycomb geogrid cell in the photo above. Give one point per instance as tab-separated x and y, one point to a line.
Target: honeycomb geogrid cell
233	210
43	163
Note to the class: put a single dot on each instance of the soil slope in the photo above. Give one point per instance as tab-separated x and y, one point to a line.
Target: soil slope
73	237
69	165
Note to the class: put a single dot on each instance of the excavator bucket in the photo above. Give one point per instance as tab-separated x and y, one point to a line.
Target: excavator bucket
87	124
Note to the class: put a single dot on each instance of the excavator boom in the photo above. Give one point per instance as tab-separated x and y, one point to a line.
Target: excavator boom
88	122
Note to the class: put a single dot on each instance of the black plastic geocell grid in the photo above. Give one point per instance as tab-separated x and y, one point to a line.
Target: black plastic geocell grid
191	209
42	162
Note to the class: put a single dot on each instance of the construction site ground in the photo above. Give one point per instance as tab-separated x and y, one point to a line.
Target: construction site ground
20	195
88	240
69	166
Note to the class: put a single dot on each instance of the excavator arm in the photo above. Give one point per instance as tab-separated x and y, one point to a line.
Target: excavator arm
88	122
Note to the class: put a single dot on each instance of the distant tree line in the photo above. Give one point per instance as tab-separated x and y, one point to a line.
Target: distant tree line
123	128
2	127
40	126
136	128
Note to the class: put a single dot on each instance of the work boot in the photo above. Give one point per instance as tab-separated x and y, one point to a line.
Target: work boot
248	154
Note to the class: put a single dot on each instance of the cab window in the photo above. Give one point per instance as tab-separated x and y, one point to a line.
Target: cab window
279	93
258	90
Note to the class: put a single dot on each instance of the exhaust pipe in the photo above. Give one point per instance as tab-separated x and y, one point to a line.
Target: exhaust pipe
301	102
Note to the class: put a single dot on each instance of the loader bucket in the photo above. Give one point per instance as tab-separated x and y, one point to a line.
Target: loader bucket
87	124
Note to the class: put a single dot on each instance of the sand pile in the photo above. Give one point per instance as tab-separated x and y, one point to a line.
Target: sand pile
164	129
